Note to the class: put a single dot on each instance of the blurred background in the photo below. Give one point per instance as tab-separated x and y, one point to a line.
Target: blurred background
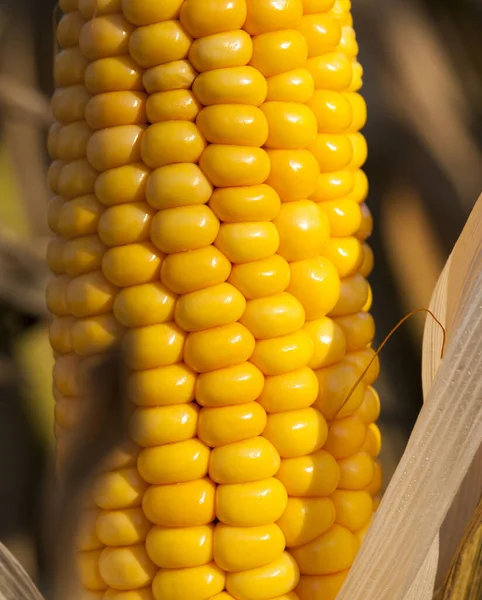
423	86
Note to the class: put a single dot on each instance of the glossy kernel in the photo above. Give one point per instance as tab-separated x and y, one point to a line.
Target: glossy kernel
159	43
180	547
144	304
173	105
132	264
201	18
87	564
229	424
182	184
105	35
83	254
113	74
122	527
353	509
365	361
69	67
261	278
369	410
353	295
331	552
90	294
292	86
95	335
331	186
359	110
332	151
146	12
296	433
235	124
116	108
164	386
176	75
186	272
174	463
356	472
126	568
59	334
344	216
247	242
68	104
321	31
311	476
303	230
366	226
154	346
290	125
373	443
122	184
251	504
290	391
360	150
231	166
283	354
251	203
115	146
279	51
336	397
221	50
234	85
330	71
273	316
243	462
274	579
171	142
316	6
305	519
328	342
316	284
180	505
269	15
345	253
158	425
72	140
359	330
360	189
241	548
238	384
345	437
125	224
211	307
197	583
119	489
294	173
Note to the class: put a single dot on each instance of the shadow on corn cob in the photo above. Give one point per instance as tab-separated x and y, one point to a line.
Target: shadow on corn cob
209	215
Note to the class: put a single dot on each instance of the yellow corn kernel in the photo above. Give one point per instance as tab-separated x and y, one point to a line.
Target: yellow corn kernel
331	71
221	50
177	185
335	384
89	571
132	264
373	443
55	255
233	85
344	217
125	224
294	173
116	108
95	335
79	217
105	35
236	124
321	31
247	242
66	375
353	296
360	150
279	51
144	304
368	304
69	67
311	476
328	342
356	472
290	125
59	334
292	86
331	186
184	228
115	146
90	294
232	166
238	384
154	426
195	583
163	386
91	8
146	12
56	295
283	354
361	533
122	527
121	457
76	178
360	359
376	483
154	346
126	568
273	316
266	15
332	151
187	504
359	330
353	509
143	594
241	548
229	424
72	140
251	504
252	203
159	43
296	433
113	74
86	537
243	462
68	104
303	230
261	278
305	519
316	284
119	489
331	552
345	437
172	142
324	586
186	272
201	19
369	410
174	463
290	391
180	547
173	105
176	75
274	579
68	29
122	184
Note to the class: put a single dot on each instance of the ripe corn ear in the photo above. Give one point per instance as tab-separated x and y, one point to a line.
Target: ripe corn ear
209	212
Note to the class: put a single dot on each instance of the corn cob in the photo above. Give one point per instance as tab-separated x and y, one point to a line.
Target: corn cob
209	210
